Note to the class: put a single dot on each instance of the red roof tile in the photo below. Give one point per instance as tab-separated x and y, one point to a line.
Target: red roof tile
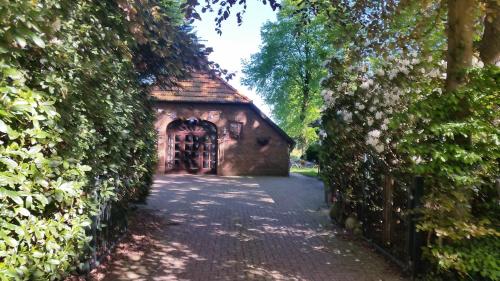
201	87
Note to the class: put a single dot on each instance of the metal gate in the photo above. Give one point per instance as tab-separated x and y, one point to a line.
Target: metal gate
191	147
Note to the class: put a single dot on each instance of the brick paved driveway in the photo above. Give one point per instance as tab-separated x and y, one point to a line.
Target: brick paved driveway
215	228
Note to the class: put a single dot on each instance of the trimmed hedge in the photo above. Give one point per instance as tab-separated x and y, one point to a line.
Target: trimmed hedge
76	127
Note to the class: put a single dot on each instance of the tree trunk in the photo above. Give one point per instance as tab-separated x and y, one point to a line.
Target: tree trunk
460	33
306	87
306	93
490	42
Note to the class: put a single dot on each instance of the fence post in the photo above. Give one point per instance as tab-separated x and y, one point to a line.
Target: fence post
387	210
327	189
498	186
416	237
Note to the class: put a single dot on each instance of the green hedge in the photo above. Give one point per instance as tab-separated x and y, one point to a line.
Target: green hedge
461	153
76	127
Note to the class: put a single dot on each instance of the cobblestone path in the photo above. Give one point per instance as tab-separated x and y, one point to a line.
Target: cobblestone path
238	228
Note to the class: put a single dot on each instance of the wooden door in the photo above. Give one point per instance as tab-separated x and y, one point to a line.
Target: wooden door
192	148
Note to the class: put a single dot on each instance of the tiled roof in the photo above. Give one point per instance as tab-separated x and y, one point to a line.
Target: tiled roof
200	87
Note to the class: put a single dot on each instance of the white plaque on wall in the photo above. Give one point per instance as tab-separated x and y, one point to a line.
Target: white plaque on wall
213	116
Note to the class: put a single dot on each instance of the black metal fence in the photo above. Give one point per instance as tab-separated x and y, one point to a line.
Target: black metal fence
107	228
386	206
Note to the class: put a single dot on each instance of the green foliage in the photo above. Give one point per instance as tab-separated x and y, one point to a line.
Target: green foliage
76	125
287	69
310	172
312	152
387	113
36	182
459	152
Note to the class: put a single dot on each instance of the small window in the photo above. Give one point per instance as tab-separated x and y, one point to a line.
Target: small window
235	130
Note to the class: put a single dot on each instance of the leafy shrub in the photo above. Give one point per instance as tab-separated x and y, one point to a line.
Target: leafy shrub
459	151
76	127
451	139
41	194
312	152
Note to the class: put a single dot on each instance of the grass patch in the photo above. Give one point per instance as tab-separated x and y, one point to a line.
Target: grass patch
310	172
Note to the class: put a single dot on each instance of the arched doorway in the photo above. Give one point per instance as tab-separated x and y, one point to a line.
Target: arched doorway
191	147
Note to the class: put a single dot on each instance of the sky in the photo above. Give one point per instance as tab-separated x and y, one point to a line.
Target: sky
236	42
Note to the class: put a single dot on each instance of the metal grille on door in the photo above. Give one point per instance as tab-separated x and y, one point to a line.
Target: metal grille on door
192	147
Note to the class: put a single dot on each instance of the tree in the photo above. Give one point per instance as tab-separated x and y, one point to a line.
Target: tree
287	69
489	48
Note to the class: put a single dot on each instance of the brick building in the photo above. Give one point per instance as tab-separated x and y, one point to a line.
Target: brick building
206	127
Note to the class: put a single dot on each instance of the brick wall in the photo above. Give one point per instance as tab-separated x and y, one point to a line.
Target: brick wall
243	156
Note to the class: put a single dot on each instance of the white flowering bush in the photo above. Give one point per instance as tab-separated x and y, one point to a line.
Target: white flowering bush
391	115
364	99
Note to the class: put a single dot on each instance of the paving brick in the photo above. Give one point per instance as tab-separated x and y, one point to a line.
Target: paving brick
240	228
